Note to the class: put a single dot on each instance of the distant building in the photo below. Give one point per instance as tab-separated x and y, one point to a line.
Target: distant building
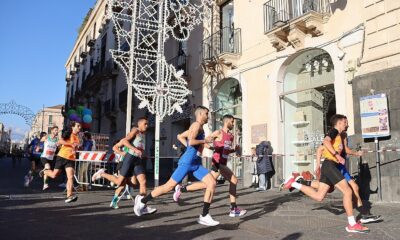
46	119
5	139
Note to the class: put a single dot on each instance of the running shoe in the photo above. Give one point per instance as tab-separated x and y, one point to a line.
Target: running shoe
357	228
237	212
72	198
148	210
370	218
288	183
139	206
114	203
26	181
177	192
207	220
261	189
62	185
45	186
128	196
97	175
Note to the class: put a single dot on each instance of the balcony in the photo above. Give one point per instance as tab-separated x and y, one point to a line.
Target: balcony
180	62
83	55
77	64
91	43
289	22
225	41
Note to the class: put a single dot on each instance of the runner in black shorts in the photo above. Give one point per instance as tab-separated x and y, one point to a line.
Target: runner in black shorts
330	174
133	164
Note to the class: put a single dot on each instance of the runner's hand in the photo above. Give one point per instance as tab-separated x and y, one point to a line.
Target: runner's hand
359	154
208	139
340	159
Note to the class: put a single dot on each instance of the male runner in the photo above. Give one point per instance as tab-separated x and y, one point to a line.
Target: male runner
35	150
119	152
330	174
133	164
189	162
366	216
50	148
223	141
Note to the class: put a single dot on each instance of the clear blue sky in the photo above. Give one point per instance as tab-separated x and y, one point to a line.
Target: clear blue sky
35	41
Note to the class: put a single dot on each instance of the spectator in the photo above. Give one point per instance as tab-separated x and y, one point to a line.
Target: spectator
254	180
265	168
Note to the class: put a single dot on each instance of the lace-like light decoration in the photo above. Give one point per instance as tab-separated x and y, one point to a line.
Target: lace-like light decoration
142	28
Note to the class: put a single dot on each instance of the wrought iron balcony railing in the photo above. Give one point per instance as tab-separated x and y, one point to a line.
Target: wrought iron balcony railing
279	12
227	40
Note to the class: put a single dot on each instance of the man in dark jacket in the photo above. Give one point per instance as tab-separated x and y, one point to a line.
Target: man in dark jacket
265	167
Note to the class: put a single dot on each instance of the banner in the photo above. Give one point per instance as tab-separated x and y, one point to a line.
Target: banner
374	116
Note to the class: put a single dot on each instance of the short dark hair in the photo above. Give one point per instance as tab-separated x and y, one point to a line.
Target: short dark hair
200	109
142	119
227	116
42	134
88	135
336	118
53	127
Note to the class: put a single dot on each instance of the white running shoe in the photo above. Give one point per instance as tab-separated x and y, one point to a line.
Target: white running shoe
177	192
148	210
97	175
72	198
128	196
45	186
139	206
207	220
26	181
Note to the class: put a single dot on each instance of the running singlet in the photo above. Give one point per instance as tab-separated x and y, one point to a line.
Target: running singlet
68	152
139	142
50	147
193	153
337	144
223	148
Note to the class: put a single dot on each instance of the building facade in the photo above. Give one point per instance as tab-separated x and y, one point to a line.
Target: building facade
283	68
5	139
94	81
46	119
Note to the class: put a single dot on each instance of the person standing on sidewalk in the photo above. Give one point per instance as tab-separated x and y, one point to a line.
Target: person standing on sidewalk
265	167
66	158
50	148
254	173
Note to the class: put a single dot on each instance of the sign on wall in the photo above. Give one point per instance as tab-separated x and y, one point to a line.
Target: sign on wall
258	133
374	116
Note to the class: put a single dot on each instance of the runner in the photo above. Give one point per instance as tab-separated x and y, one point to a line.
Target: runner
330	174
50	148
366	216
35	149
133	164
66	158
119	154
222	147
189	162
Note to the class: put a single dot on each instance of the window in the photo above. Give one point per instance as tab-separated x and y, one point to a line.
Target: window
50	119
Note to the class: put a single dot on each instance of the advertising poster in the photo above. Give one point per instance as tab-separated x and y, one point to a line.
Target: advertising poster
374	116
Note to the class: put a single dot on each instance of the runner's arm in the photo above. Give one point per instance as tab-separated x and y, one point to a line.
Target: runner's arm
182	137
328	146
351	152
193	132
116	148
126	140
65	143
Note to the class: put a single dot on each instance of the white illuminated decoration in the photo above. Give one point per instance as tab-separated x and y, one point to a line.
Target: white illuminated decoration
142	28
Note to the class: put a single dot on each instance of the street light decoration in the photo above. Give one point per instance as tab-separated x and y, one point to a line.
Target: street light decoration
142	27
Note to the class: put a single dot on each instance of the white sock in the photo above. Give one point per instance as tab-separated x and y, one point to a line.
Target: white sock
352	220
297	185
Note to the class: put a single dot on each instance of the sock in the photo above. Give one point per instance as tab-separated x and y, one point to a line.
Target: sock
296	185
115	197
46	180
147	198
206	209
352	220
184	189
233	205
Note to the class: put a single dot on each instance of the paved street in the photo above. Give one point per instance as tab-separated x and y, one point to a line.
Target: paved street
32	214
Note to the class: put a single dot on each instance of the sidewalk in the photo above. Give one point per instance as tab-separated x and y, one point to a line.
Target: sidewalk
32	214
